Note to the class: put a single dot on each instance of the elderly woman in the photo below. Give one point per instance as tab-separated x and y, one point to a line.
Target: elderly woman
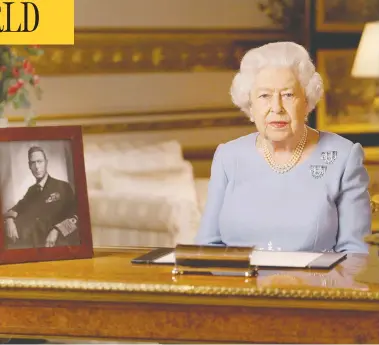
287	186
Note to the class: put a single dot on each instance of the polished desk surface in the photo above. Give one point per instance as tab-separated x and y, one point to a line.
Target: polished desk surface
112	271
79	296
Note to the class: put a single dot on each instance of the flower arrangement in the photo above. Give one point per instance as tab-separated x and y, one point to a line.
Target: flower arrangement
18	77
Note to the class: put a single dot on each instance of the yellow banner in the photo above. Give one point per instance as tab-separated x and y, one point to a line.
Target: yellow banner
36	22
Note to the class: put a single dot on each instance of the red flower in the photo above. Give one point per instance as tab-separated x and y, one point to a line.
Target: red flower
28	67
13	89
15	72
3	68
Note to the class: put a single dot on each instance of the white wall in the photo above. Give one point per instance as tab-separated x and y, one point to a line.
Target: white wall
90	94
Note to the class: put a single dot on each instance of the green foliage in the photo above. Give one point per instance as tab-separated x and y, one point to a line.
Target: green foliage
18	76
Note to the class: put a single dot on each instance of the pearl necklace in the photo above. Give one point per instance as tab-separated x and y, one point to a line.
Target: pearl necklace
281	169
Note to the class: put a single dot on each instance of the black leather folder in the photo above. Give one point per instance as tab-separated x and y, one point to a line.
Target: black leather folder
324	261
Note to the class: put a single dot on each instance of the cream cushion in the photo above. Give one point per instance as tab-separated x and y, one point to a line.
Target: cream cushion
128	157
149	189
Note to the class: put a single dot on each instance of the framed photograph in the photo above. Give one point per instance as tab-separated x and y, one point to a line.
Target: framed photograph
347	105
345	15
372	166
45	211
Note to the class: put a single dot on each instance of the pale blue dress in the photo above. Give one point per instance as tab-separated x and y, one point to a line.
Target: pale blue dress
322	204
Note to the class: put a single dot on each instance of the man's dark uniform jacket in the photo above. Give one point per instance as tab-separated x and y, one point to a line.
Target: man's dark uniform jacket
40	211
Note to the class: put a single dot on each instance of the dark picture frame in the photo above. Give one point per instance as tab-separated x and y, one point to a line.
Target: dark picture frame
62	204
346	105
345	15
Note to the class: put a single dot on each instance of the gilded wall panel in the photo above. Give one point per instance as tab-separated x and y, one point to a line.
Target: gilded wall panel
151	51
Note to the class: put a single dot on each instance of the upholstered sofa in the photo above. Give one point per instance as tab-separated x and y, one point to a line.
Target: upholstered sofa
142	194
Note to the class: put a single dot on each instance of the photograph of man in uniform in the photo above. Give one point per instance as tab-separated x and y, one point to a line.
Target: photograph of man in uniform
46	216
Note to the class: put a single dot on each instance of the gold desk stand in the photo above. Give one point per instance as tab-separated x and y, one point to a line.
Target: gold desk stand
213	260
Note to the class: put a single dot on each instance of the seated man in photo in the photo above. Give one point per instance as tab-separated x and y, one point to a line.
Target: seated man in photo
46	216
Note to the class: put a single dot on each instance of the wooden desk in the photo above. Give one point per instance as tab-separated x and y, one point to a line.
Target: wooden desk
108	298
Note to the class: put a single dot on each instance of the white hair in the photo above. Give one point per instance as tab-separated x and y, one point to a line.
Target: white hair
277	54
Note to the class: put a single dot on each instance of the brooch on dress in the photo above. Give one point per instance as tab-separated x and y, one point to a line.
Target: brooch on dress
329	156
318	171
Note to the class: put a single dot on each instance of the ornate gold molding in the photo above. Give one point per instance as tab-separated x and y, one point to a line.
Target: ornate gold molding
129	122
141	51
162	125
138	113
123	122
282	293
